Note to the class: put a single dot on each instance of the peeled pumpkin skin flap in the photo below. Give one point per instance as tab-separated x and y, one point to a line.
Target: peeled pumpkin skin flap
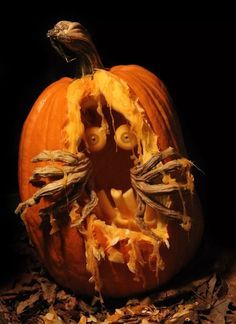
93	239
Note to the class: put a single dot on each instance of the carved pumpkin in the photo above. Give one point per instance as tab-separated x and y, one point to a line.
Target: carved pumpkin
107	190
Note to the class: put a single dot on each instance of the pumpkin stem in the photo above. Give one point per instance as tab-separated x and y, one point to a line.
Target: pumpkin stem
72	41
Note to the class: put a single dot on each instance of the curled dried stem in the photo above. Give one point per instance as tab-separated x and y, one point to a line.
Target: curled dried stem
73	42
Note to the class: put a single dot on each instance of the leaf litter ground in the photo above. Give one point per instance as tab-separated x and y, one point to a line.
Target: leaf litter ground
205	292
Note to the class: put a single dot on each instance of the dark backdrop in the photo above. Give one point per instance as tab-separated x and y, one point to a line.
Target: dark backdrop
195	57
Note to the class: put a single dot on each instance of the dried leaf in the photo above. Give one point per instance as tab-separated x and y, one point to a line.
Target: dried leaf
183	312
4	314
49	290
145	321
178	292
29	302
231	280
83	320
211	287
218	312
85	307
51	317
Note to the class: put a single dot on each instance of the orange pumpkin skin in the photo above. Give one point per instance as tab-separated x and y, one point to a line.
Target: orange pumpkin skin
63	253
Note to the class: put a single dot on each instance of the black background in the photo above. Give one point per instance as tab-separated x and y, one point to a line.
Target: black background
194	54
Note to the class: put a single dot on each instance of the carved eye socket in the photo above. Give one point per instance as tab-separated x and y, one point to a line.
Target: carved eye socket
124	138
95	138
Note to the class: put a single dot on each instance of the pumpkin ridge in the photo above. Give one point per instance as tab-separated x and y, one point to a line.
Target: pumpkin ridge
166	103
26	136
139	89
156	85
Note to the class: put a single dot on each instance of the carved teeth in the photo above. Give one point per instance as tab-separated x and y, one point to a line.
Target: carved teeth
122	213
150	217
124	210
119	201
106	206
130	201
125	207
